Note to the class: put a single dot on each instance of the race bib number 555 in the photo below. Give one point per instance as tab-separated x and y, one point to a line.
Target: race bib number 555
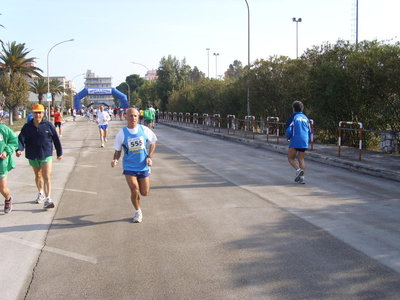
136	144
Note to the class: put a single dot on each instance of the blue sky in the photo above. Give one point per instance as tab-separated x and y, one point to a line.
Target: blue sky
109	35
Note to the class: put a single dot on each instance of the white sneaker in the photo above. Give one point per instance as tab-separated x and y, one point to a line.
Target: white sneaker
299	173
102	145
105	139
302	180
40	198
138	217
48	203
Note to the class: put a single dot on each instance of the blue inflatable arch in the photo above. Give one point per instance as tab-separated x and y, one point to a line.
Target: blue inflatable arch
100	91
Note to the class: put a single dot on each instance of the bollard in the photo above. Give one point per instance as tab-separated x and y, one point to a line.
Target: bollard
277	127
340	136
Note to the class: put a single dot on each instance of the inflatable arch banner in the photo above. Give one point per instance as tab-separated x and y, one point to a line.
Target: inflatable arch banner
100	91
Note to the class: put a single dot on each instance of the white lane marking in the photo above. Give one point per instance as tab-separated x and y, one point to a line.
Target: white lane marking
84	166
56	188
50	249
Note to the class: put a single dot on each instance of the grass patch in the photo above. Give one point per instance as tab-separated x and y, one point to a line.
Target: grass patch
17	125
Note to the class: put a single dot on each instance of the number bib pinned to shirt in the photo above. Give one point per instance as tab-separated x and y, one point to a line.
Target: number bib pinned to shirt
136	145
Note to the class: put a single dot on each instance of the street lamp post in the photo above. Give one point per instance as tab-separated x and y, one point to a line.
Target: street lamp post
297	35
208	62
48	77
248	65
141	65
216	65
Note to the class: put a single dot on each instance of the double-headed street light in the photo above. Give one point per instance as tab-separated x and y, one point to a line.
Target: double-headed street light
297	35
48	77
208	62
216	65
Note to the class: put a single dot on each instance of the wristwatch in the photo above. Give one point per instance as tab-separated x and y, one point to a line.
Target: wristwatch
148	156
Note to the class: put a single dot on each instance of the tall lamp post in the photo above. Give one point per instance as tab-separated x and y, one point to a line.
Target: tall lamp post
48	80
297	35
248	65
216	65
208	62
136	63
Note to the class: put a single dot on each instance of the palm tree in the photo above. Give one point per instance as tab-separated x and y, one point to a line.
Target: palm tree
39	87
13	60
56	88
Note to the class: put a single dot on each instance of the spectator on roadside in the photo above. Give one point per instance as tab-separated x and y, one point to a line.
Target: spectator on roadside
136	163
37	138
298	133
8	144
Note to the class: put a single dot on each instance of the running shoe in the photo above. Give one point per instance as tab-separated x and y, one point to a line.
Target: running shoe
40	198
105	139
7	206
299	173
138	217
302	180
48	203
102	145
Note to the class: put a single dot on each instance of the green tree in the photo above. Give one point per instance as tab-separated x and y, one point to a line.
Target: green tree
39	87
15	90
195	75
134	81
355	82
56	88
147	94
235	70
13	60
171	77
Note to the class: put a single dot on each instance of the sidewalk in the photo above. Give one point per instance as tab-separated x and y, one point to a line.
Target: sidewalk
372	163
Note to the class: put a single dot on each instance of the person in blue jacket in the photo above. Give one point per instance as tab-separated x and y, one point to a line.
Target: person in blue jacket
37	138
298	133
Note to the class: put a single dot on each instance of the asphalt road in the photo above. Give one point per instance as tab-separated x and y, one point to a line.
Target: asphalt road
223	221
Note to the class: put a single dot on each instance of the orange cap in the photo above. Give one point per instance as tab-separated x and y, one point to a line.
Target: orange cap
38	108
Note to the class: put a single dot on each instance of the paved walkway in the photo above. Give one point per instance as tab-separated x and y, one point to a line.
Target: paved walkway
208	230
373	163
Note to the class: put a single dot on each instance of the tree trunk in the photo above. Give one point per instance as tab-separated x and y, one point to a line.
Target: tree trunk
14	113
40	97
10	117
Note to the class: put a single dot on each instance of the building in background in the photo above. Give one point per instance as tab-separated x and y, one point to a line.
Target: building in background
151	75
93	81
